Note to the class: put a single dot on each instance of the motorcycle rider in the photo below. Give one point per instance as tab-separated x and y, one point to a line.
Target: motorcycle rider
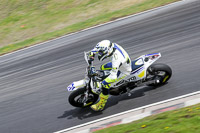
120	67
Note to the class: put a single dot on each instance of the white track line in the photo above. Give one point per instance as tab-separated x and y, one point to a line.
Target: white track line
132	110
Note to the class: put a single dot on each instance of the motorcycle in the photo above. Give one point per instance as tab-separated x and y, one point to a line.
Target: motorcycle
86	92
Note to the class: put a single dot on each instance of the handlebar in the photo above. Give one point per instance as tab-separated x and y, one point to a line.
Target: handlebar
86	57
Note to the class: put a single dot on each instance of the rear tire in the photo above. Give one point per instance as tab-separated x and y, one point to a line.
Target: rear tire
162	72
76	96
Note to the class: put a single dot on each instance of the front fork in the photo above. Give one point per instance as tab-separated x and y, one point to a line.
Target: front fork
86	94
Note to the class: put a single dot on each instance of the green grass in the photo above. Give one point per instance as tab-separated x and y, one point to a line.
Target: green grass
27	22
185	120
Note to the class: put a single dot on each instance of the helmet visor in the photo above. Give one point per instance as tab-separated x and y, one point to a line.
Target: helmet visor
102	55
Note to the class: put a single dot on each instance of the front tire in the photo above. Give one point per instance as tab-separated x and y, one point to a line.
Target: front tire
76	98
161	72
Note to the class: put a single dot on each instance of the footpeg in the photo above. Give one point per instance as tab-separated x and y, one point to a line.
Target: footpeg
128	91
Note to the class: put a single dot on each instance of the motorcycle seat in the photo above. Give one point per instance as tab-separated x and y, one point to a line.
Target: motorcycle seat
135	65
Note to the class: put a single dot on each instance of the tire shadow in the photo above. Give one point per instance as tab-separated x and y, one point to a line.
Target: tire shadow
80	113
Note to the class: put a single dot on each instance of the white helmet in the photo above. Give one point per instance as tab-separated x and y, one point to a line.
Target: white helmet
104	49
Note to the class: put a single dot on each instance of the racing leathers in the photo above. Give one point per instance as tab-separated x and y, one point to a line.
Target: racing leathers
119	66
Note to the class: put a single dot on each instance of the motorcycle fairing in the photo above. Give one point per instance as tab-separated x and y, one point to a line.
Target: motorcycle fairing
137	64
75	85
139	68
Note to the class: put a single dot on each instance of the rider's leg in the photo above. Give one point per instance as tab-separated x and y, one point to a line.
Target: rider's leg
105	88
107	66
105	94
101	104
103	98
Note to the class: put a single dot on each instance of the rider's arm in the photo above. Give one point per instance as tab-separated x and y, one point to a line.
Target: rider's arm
92	55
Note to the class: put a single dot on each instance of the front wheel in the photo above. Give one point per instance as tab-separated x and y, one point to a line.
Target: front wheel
161	72
78	99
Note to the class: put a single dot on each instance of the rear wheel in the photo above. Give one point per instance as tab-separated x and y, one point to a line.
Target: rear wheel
161	72
77	98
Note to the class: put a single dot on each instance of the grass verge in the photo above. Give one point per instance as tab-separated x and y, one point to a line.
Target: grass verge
49	14
185	120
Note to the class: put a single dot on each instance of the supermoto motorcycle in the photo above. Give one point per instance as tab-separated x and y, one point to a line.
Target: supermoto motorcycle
144	72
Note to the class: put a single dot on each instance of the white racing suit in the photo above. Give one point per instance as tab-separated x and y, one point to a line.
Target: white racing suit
120	67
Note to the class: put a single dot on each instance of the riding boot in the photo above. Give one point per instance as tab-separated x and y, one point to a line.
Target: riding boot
101	104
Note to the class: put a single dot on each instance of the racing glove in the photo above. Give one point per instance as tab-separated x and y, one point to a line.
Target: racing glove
91	57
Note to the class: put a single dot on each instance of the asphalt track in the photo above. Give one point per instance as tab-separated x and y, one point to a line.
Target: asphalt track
33	95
